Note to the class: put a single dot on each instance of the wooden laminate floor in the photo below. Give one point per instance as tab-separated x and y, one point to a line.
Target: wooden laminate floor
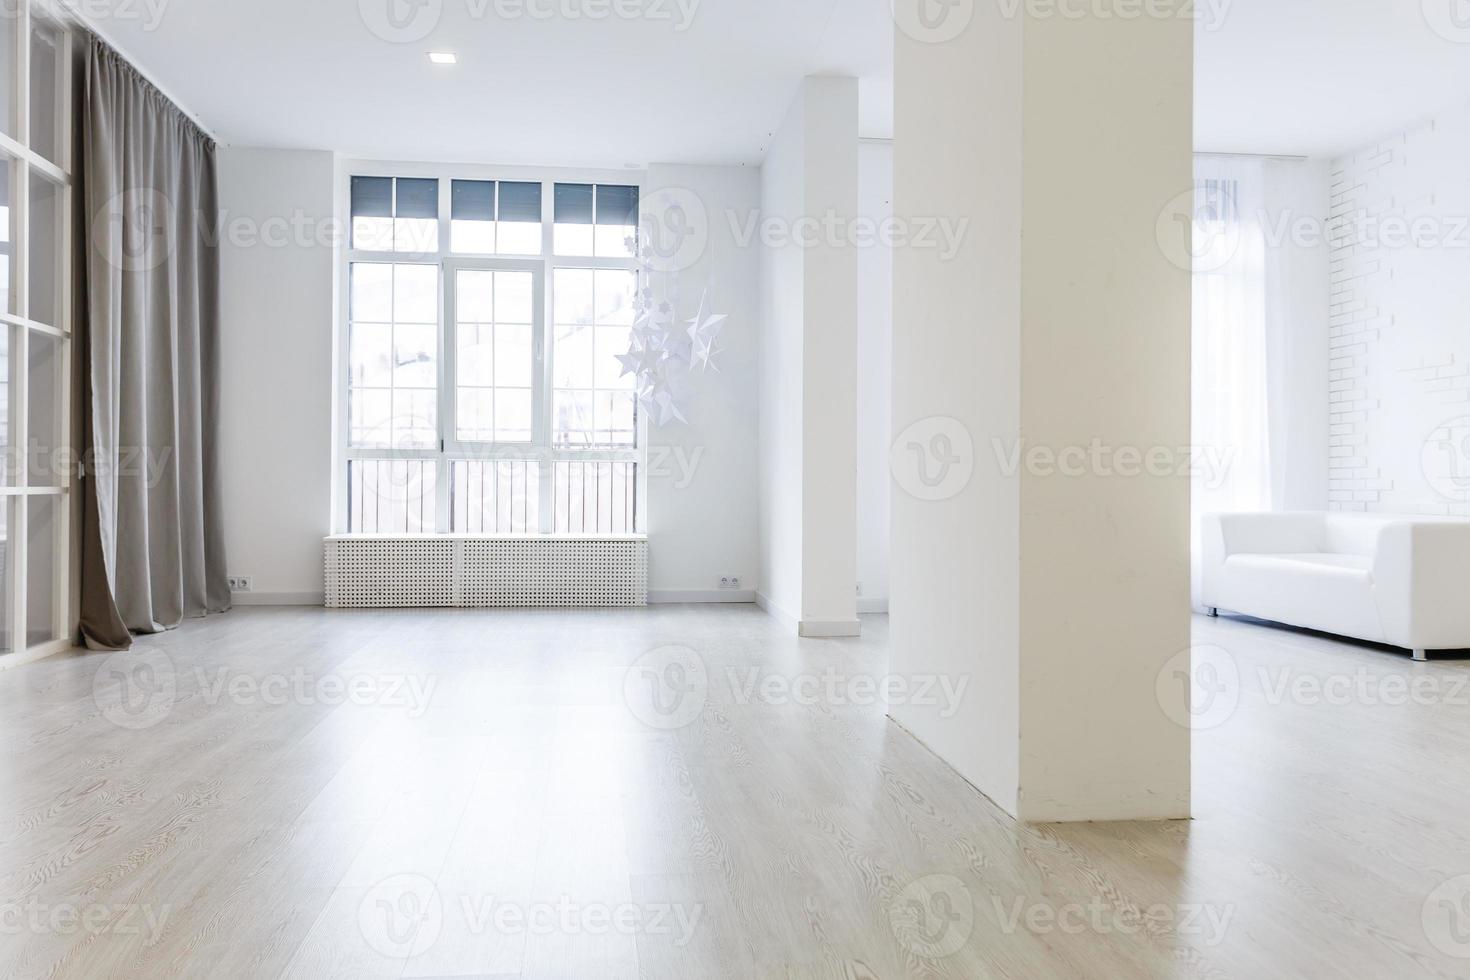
302	793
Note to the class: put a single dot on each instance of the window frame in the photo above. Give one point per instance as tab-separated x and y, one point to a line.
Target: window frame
451	449
20	492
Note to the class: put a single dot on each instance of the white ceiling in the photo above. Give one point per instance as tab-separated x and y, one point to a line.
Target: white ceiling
1273	76
561	91
1320	77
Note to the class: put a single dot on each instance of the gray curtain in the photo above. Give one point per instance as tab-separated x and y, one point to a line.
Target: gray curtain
153	543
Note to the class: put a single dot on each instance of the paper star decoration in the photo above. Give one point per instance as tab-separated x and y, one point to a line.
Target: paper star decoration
661	356
704	332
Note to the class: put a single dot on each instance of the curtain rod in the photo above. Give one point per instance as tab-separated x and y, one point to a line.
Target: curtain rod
80	19
1259	156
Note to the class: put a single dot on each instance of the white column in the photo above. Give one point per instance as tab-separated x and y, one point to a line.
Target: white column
809	191
1057	328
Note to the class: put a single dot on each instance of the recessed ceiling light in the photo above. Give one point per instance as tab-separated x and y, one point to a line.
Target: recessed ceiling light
444	57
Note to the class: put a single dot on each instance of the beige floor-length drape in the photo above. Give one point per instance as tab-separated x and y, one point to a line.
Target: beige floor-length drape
153	542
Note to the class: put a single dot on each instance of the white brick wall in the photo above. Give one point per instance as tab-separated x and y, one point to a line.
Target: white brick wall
1399	367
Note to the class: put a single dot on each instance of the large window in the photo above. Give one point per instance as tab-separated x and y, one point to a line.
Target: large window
37	466
484	394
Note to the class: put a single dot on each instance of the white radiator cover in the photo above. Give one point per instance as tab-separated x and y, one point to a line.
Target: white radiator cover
419	570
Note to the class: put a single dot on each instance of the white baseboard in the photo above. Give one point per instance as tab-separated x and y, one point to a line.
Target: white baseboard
775	612
658	597
818	628
41	652
813	628
874	605
278	598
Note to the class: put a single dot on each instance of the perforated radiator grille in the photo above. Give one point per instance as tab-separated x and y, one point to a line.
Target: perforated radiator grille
430	570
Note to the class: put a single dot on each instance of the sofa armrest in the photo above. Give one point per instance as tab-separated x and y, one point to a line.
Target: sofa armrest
1223	535
1421	579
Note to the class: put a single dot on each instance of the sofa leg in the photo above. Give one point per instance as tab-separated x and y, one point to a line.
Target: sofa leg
1212	612
1421	655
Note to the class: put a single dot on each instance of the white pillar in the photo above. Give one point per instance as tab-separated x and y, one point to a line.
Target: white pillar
809	191
1058	320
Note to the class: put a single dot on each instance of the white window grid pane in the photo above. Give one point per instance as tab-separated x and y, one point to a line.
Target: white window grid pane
596	497
393	232
594	401
495	496
392	496
599	239
494	389
46	85
467	236
416	236
495	236
400	366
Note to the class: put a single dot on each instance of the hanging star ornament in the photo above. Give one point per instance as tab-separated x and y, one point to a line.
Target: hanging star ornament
661	357
704	355
704	331
642	358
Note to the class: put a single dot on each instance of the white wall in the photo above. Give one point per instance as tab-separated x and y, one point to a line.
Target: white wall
829	367
280	321
279	300
780	393
702	502
1399	367
809	363
954	593
1105	353
1297	288
1061	599
874	379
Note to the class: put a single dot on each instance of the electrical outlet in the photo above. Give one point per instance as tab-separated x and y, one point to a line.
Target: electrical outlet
730	582
241	583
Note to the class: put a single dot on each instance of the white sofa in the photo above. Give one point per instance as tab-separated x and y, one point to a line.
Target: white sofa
1398	580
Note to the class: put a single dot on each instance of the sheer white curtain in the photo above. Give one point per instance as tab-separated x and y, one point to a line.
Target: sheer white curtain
1232	341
